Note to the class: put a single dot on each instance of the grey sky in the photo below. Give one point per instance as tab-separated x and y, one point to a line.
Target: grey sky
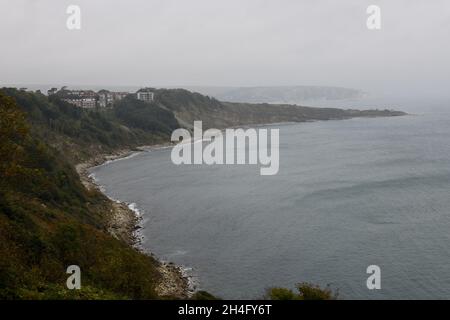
229	43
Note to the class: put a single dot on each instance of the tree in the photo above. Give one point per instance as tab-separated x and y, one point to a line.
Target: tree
13	133
306	291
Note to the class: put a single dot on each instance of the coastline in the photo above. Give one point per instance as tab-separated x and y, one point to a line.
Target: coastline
124	223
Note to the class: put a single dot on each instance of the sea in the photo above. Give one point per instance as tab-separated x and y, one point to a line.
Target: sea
349	194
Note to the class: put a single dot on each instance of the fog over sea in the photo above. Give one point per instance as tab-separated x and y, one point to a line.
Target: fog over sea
349	194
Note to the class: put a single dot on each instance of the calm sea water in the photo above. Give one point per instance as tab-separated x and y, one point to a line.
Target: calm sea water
349	194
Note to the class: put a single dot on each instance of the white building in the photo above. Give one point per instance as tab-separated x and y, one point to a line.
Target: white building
145	95
81	98
87	103
107	98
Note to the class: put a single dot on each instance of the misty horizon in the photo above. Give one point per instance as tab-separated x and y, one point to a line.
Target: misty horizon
253	44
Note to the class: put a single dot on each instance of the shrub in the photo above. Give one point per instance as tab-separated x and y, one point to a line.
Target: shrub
306	291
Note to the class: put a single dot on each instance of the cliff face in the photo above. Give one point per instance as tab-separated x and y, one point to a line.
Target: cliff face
188	107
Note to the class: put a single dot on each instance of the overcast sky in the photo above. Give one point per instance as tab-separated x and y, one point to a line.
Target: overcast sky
229	43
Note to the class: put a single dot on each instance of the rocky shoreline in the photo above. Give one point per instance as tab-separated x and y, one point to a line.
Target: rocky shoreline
124	224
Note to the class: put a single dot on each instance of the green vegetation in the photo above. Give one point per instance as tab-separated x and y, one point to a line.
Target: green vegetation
188	107
145	116
79	134
306	291
49	221
203	295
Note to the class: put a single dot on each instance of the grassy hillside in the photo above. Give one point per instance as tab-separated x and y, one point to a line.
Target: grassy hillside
80	133
188	106
49	221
